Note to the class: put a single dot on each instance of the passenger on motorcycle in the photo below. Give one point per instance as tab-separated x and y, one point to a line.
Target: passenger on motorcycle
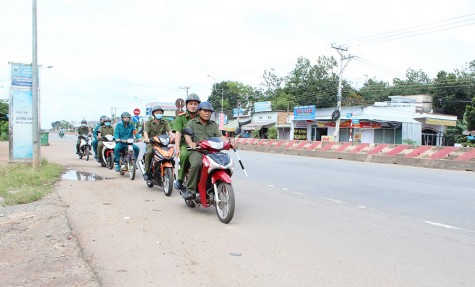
203	128
94	134
154	127
123	130
82	131
106	129
192	102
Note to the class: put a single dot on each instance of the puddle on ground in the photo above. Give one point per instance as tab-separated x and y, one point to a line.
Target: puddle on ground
81	176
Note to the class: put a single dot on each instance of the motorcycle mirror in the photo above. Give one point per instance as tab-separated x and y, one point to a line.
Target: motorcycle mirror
237	131
188	131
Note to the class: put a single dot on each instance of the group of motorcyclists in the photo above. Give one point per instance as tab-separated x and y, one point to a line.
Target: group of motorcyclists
197	117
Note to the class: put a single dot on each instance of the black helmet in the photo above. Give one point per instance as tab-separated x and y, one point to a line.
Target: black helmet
83	122
157	108
193	97
125	115
205	106
101	119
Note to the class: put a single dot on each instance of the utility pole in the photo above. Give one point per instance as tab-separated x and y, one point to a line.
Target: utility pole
185	88
34	92
337	113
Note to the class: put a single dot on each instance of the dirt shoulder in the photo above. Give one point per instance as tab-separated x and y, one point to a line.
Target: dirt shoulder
37	247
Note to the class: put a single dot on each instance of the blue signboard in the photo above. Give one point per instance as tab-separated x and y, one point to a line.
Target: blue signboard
262	107
305	113
136	119
235	112
22	75
21	121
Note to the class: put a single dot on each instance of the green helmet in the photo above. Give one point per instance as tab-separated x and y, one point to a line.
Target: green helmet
125	115
193	97
102	118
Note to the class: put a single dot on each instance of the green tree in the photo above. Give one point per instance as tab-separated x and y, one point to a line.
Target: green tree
452	91
314	84
375	91
416	82
469	116
272	133
4	110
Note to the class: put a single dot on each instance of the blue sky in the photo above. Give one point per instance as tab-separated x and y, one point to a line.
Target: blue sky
126	53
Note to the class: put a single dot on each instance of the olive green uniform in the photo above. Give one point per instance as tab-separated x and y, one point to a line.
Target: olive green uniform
200	132
180	124
103	130
154	129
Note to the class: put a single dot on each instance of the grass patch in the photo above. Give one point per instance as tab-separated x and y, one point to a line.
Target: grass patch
21	183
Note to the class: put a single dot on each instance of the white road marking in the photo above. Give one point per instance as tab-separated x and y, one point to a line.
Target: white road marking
270	185
361	206
442	225
332	200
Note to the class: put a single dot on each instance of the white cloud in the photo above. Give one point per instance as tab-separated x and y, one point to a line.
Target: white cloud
107	52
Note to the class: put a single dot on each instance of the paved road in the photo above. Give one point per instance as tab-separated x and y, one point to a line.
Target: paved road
298	222
443	197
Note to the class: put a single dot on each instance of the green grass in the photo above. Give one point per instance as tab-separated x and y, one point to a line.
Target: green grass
21	183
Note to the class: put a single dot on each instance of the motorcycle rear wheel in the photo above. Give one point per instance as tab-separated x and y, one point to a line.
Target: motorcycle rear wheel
168	181
225	204
132	168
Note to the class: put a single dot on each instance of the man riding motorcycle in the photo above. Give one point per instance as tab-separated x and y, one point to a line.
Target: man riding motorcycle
104	130
94	134
123	130
192	102
203	128
81	131
154	127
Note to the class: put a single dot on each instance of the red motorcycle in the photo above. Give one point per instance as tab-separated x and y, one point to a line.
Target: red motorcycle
215	184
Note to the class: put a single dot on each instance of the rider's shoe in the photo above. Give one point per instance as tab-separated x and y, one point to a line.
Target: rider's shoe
188	195
145	176
117	167
178	184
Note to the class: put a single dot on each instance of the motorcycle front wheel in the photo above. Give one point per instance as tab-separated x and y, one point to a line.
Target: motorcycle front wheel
225	203
131	167
190	203
168	181
110	161
86	153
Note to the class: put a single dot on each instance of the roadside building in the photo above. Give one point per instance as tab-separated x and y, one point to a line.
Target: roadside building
407	119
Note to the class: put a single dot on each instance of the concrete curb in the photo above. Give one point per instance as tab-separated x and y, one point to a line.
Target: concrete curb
452	158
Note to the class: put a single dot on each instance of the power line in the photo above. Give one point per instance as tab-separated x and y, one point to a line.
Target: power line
433	27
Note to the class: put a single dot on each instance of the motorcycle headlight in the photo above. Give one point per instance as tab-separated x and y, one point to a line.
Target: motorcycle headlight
165	140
